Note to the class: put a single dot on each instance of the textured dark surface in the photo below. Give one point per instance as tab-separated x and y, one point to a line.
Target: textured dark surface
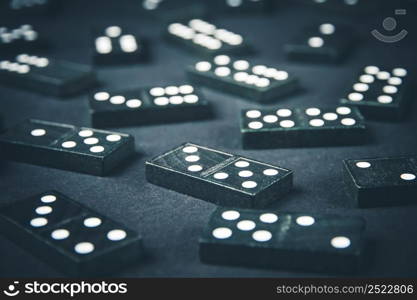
171	223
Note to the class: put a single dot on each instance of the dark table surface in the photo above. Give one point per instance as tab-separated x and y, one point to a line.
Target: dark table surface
169	222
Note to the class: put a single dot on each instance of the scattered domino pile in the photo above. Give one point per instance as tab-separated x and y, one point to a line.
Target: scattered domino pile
243	230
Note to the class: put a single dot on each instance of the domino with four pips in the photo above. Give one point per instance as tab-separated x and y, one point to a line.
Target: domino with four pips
219	177
67	235
66	147
279	240
151	105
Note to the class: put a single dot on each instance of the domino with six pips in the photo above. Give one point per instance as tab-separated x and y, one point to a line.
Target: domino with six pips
380	94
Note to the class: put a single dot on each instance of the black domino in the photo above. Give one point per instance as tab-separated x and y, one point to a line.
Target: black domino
26	8
218	177
66	147
155	105
351	7
114	45
167	11
18	39
381	94
278	240
254	82
46	75
302	127
69	236
205	39
240	6
388	181
325	43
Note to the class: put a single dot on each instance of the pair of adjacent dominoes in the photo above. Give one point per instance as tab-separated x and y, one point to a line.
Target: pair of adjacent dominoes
219	177
69	236
388	181
46	75
381	93
66	147
206	39
302	127
328	43
254	82
113	46
277	240
156	105
22	38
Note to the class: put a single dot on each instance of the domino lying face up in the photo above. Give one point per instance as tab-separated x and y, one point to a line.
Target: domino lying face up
167	11
326	43
311	127
381	95
66	147
45	75
154	105
222	178
23	38
254	82
69	236
113	46
278	240
206	39
240	6
388	181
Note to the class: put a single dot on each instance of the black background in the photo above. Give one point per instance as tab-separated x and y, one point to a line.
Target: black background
170	223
